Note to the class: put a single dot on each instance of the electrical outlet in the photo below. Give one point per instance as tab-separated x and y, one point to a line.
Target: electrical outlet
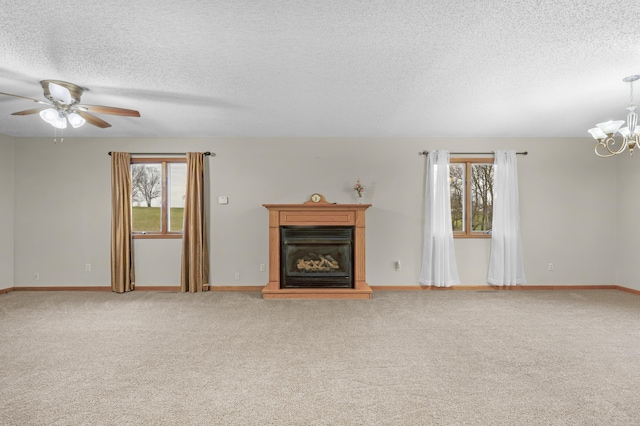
263	267
398	265
87	267
237	277
551	266
36	276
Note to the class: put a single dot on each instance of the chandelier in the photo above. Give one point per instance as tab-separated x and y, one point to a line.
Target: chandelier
605	133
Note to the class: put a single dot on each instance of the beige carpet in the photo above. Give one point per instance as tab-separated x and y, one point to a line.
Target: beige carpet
403	358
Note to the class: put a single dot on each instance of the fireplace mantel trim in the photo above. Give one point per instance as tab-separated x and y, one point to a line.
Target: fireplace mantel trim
317	215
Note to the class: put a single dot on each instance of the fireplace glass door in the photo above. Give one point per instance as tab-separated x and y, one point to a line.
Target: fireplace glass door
316	256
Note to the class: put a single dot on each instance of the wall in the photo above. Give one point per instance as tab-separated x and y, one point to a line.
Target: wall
62	207
6	212
628	239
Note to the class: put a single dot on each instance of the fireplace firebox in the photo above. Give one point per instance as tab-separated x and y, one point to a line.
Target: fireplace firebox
316	257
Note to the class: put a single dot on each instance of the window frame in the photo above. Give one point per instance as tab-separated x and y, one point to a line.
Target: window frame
164	233
467	213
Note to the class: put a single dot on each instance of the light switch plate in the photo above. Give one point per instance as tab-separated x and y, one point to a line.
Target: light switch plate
223	199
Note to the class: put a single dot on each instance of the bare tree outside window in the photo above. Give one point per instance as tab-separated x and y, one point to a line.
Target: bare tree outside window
146	183
456	187
158	189
481	197
471	187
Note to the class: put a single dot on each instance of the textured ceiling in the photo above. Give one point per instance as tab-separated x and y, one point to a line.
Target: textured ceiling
488	68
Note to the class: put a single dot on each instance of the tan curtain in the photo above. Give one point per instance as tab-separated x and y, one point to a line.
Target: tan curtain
195	251
122	272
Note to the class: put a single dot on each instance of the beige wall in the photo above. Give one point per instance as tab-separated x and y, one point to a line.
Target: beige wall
6	212
62	202
627	253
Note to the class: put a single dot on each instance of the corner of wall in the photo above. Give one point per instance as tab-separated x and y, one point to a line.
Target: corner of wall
7	211
627	237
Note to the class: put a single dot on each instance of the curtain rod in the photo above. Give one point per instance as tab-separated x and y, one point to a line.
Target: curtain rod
473	153
213	154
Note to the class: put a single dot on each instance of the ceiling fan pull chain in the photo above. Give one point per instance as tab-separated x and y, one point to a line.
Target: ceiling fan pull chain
55	135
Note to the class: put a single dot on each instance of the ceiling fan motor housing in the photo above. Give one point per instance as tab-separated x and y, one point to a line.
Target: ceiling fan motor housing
74	90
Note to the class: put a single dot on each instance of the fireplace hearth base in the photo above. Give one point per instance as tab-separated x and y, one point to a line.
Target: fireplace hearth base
317	214
273	291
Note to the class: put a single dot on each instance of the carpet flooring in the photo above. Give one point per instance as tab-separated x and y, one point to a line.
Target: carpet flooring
403	358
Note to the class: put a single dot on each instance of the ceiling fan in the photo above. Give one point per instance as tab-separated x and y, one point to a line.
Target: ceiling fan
63	105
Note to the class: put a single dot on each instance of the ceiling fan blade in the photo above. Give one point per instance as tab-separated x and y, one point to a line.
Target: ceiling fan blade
23	97
30	111
98	109
92	119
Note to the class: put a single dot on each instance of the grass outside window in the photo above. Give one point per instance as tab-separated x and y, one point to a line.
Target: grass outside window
158	192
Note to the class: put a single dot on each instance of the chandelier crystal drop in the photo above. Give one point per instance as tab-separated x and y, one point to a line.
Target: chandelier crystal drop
605	133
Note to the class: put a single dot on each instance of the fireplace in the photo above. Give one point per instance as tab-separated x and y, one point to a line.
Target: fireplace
316	257
317	251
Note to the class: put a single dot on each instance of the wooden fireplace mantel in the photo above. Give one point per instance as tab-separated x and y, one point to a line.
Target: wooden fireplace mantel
317	214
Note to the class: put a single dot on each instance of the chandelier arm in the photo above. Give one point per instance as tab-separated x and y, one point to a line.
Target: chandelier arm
602	144
610	141
623	147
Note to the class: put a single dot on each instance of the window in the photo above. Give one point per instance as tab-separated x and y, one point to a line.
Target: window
158	191
471	198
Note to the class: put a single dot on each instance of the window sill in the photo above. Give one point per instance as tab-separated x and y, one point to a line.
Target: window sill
157	236
472	236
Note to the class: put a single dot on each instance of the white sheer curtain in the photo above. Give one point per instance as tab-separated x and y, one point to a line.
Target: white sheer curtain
438	255
505	264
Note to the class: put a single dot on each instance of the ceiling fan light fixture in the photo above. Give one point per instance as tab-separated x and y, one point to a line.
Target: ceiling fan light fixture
51	116
60	123
60	93
76	120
